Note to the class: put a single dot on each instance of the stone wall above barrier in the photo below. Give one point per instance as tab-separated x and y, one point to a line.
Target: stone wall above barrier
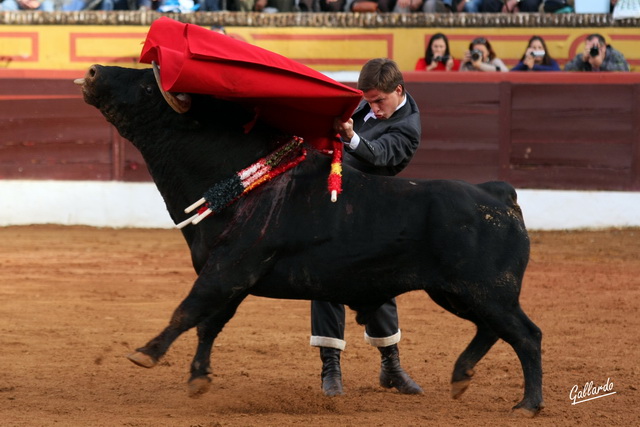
335	20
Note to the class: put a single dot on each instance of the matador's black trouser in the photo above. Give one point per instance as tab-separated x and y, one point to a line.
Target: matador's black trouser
328	320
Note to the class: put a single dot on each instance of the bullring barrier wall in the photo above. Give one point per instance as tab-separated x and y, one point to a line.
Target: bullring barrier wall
548	133
566	131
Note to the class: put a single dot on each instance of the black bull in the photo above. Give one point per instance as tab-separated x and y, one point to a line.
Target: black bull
465	245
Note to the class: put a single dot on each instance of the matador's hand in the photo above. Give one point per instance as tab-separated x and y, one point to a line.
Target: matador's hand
344	129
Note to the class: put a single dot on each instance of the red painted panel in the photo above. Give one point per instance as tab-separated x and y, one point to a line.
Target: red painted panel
73	172
61	153
458	157
588	155
475	173
571	96
134	168
580	135
547	78
38	87
449	95
51	136
575	178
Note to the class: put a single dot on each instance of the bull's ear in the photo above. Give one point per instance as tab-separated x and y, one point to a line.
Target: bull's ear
180	102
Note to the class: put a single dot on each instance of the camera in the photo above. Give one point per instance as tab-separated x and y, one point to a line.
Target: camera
594	51
476	54
537	53
442	59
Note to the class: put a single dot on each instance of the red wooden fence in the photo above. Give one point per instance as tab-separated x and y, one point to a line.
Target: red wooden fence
536	130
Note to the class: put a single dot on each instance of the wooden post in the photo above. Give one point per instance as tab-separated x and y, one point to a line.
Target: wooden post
117	155
634	181
504	138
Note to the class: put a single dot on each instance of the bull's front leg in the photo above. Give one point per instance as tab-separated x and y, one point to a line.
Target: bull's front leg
208	330
212	302
150	354
196	307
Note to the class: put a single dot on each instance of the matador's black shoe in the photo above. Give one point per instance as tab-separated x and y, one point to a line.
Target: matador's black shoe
392	374
331	374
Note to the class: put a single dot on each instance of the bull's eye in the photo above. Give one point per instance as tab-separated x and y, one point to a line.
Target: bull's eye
148	89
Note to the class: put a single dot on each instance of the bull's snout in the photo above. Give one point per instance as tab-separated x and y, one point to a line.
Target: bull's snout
89	75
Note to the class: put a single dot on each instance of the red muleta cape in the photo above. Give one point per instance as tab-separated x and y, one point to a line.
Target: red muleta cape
284	93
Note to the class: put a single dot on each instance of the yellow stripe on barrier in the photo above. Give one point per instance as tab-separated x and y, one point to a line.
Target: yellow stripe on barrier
65	48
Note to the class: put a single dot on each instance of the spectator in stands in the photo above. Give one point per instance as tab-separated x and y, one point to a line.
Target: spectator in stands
331	5
597	55
77	5
271	6
497	6
481	57
439	6
557	6
536	57
398	6
470	6
126	5
449	6
512	6
14	5
209	5
407	6
437	56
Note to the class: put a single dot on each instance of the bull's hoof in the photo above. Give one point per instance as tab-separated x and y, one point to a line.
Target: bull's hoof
459	387
142	359
522	411
199	386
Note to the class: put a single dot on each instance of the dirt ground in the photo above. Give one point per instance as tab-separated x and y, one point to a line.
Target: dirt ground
74	301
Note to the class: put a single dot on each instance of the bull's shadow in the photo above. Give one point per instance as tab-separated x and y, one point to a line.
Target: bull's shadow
465	245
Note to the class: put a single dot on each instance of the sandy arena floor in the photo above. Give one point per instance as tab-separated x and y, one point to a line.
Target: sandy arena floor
74	301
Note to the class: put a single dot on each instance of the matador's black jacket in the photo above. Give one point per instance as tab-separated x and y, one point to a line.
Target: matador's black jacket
386	146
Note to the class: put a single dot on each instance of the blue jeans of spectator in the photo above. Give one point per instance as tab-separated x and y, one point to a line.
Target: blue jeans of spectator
73	5
115	5
473	6
210	5
124	4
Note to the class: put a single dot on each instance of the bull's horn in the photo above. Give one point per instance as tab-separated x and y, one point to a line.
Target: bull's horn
180	103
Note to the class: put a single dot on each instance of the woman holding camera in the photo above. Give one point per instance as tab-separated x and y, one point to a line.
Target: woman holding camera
481	57
536	57
437	56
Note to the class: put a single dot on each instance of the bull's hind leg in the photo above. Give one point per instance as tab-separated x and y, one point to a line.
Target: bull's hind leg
526	339
481	343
